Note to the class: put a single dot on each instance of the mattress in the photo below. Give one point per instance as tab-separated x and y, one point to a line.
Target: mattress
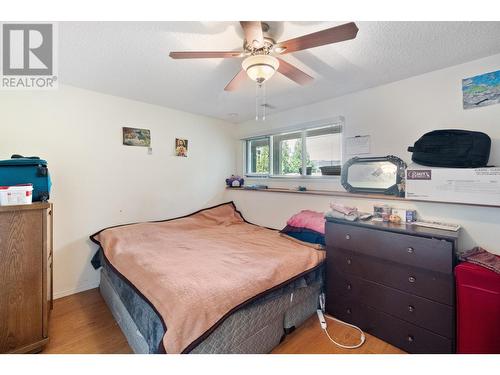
256	327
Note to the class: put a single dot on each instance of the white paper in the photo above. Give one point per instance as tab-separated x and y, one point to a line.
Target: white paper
358	145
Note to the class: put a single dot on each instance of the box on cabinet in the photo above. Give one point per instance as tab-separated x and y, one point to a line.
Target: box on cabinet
461	185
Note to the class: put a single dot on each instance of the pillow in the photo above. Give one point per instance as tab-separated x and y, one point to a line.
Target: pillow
308	219
304	235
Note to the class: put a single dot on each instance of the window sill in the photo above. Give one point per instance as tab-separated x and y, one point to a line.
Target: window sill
333	193
330	193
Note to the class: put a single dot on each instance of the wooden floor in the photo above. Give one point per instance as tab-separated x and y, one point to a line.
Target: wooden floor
83	324
309	338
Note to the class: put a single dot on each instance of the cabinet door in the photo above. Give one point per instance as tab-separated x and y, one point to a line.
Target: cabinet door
48	266
50	241
435	286
21	274
428	253
404	335
433	316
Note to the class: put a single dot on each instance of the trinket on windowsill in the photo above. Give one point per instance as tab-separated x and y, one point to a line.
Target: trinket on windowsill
394	219
386	213
234	181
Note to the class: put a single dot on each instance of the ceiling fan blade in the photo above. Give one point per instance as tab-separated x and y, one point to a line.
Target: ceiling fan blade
236	81
295	74
253	33
333	35
205	54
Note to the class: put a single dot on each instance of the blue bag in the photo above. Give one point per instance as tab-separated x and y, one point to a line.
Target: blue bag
32	170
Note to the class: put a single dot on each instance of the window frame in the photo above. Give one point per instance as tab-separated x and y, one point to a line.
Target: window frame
248	158
338	126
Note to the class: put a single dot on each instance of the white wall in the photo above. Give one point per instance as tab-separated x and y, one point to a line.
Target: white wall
98	182
395	116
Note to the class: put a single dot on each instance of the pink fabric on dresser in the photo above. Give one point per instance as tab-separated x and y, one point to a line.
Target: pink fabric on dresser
308	219
195	270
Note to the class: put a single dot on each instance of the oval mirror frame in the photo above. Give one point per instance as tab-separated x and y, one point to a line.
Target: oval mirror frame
396	187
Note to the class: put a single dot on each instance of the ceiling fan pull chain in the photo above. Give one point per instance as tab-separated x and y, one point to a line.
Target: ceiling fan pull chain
257	102
260	102
263	106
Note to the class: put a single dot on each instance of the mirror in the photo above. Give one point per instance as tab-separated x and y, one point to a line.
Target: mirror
376	175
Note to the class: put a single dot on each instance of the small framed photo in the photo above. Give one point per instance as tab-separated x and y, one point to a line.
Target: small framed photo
136	137
181	147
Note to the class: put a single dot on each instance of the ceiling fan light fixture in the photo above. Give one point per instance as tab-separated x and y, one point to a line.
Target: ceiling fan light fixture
260	67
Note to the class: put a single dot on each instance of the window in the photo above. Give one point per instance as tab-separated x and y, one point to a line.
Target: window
307	152
323	151
287	154
258	156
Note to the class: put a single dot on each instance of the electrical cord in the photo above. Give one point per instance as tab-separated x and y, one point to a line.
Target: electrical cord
362	338
323	324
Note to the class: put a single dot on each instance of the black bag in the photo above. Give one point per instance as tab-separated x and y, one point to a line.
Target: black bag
452	148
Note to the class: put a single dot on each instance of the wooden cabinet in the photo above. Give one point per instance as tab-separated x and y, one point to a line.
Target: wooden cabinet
25	276
394	281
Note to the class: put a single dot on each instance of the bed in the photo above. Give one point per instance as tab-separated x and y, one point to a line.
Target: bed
265	303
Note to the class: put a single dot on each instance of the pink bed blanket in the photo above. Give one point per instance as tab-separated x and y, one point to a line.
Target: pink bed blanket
198	269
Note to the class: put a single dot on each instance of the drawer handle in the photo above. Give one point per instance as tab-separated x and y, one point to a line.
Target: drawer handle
410	338
347	236
412	279
348	310
411	308
349	286
349	261
411	250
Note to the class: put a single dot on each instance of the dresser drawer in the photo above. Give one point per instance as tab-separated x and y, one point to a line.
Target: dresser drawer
432	285
427	314
404	335
429	253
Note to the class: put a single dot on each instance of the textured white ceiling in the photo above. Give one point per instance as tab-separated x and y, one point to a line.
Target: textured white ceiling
130	59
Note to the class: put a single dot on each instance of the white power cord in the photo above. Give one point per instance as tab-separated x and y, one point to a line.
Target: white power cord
324	326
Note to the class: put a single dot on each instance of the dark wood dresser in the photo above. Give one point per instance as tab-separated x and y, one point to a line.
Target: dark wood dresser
25	277
393	281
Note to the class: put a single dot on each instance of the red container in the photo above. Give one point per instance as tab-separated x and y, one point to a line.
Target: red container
478	309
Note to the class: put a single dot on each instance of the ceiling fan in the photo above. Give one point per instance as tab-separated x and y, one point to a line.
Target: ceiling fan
260	52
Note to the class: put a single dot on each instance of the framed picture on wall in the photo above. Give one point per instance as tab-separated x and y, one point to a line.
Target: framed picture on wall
136	137
481	90
181	147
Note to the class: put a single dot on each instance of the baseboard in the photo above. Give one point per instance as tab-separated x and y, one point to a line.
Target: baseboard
78	289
